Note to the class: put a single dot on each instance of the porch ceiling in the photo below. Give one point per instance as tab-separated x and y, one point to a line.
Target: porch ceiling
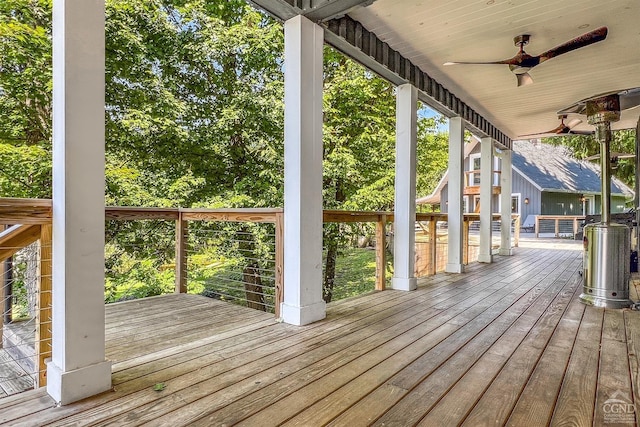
431	32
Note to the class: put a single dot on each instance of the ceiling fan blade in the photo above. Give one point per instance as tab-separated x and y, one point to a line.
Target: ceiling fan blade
621	155
573	123
579	132
506	61
576	43
538	134
612	155
524	79
630	99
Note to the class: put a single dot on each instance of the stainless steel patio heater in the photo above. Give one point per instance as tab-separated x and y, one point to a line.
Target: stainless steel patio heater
607	245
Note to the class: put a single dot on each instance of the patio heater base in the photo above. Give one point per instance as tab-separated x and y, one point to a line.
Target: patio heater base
606	265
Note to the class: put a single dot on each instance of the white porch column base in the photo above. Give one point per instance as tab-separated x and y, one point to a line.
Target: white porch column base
454	268
404	283
303	315
71	386
506	251
484	258
455	194
303	43
486	202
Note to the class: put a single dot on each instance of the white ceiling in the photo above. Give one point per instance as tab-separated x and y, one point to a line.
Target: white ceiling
432	32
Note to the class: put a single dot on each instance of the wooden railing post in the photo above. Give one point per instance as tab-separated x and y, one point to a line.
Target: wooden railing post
537	227
465	241
2	297
43	312
557	228
516	232
433	244
182	230
279	273
381	254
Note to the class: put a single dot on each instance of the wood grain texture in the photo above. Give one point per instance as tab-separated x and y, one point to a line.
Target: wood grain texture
182	234
44	308
17	237
577	394
381	253
503	342
614	379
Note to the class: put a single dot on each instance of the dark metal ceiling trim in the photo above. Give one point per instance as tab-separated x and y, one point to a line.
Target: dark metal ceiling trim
351	38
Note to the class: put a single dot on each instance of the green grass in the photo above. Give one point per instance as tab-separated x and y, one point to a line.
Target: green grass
355	273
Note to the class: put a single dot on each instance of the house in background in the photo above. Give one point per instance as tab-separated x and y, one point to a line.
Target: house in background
546	180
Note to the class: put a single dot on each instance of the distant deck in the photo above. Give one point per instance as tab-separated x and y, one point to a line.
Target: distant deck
506	343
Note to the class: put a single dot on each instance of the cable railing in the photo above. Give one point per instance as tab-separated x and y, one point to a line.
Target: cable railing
233	255
432	240
25	306
558	225
233	262
357	253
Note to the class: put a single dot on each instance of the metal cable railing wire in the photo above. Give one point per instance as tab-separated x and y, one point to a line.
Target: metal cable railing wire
22	315
233	262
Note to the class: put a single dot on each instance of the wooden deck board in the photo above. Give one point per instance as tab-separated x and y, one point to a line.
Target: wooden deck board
13	379
614	379
577	395
501	343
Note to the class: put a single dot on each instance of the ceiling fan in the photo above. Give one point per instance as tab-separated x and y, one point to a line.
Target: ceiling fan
522	62
561	130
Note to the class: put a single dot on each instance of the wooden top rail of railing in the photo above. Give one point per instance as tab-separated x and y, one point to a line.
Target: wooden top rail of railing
39	211
25	211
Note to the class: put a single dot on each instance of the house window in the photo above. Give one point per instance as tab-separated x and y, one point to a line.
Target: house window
474	169
515	203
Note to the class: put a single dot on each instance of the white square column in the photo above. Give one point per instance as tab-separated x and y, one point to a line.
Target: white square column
455	194
78	368
303	43
505	204
486	194
404	222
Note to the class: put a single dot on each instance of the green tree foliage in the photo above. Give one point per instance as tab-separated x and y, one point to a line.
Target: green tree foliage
623	141
194	89
25	98
194	116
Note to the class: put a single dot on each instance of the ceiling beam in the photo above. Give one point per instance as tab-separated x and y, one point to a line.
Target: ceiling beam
323	10
315	10
279	9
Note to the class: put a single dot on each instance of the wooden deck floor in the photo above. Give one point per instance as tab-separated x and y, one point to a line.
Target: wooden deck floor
503	344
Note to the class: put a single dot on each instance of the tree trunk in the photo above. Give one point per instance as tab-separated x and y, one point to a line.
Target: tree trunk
253	287
330	268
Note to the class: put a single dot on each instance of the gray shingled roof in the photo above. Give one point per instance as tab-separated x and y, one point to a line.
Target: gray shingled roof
554	169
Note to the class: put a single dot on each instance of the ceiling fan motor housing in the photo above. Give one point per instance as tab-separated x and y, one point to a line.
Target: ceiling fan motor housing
521	40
